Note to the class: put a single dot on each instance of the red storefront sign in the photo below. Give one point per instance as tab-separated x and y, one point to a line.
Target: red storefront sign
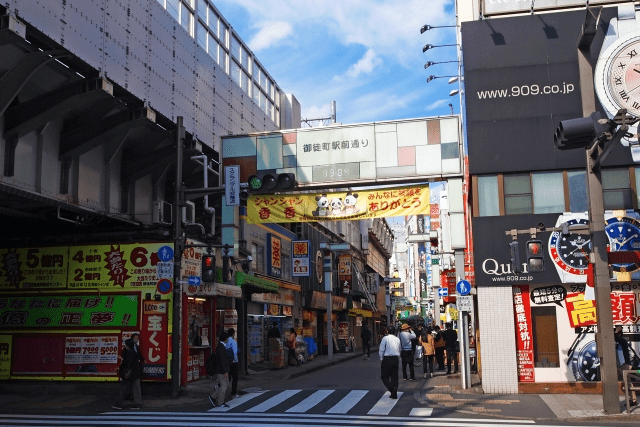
153	345
582	312
524	342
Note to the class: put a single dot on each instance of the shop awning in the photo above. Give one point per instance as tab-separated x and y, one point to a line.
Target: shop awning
215	289
255	284
281	283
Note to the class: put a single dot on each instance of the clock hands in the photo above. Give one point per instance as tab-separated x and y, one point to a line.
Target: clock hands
625	241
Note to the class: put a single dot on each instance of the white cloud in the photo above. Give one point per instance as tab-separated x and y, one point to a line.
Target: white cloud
270	34
437	104
365	65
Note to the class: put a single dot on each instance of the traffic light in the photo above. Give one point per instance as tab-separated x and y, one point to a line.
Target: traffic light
515	257
579	133
208	268
227	269
535	256
270	183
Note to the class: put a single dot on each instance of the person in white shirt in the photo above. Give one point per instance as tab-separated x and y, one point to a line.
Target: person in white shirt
389	352
407	351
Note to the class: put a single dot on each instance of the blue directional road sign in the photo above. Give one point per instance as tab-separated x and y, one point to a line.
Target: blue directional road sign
195	280
443	292
463	287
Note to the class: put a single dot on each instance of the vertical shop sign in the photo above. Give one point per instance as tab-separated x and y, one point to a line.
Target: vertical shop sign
345	272
5	357
153	341
274	268
300	250
524	341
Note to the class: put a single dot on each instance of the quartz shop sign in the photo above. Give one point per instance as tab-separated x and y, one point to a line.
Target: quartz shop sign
502	271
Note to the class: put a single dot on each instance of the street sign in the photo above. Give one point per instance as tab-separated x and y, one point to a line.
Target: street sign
194	280
165	253
443	292
232	185
463	287
165	270
465	303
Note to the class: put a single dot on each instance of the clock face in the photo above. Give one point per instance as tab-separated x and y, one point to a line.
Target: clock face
571	252
617	76
624	235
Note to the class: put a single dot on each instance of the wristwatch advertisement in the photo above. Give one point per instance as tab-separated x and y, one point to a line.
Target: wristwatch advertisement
617	73
623	231
570	253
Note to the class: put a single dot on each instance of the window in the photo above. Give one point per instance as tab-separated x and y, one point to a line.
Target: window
517	194
235	72
202	35
235	48
173	7
186	18
214	22
578	191
257	253
488	196
203	7
616	189
545	337
213	47
286	267
548	192
256	94
223	58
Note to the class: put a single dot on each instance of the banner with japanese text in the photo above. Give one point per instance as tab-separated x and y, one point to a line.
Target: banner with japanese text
46	311
34	268
301	254
524	341
282	208
120	266
154	343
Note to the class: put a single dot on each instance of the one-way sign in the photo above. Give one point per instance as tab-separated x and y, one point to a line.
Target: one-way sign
443	292
194	280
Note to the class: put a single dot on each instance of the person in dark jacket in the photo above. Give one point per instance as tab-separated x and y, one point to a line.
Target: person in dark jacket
450	337
366	341
439	343
130	362
221	371
623	343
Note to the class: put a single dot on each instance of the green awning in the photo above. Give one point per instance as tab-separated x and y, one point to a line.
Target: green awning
262	285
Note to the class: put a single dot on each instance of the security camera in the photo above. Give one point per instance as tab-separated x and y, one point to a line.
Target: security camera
249	258
541	226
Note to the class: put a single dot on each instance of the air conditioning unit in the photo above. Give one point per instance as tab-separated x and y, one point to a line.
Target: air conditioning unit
189	213
162	213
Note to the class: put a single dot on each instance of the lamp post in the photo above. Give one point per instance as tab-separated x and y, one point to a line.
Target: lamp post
431	27
430	63
431	46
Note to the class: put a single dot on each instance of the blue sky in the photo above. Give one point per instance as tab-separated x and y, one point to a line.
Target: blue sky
364	54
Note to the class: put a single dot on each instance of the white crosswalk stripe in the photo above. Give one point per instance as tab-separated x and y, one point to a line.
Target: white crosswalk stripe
348	402
274	401
384	405
310	401
237	402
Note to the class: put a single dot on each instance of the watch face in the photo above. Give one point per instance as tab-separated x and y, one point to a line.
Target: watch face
586	363
617	76
624	235
571	252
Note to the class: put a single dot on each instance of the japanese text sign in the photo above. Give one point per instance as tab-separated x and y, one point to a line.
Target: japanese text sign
153	345
232	185
524	333
582	312
286	208
28	268
300	252
555	294
70	311
274	252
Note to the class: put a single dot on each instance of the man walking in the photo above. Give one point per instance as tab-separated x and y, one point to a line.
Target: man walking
366	341
439	344
218	365
406	336
389	352
450	337
232	350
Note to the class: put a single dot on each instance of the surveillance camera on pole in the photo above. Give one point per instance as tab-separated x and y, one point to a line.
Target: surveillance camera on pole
580	133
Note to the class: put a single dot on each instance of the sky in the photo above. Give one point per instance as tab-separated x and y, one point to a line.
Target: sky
364	54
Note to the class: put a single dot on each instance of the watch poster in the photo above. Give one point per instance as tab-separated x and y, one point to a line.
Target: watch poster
524	341
623	231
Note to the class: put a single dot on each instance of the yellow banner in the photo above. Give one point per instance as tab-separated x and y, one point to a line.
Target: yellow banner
342	206
34	268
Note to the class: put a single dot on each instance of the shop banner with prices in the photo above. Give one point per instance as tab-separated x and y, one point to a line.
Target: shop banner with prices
282	208
46	311
34	268
524	341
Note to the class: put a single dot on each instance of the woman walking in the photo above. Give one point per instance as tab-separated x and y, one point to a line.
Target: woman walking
429	347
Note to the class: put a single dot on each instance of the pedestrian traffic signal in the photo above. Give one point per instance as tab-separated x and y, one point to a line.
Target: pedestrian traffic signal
270	183
208	268
579	133
515	257
535	256
227	269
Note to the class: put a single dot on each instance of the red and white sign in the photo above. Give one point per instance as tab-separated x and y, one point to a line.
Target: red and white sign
153	345
90	350
524	333
581	311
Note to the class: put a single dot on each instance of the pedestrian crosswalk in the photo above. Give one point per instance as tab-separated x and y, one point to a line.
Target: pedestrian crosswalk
208	419
338	402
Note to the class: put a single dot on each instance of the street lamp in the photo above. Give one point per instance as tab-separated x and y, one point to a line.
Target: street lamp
432	77
431	27
430	63
430	46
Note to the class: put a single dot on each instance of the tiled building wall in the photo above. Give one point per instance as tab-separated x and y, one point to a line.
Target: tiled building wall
497	339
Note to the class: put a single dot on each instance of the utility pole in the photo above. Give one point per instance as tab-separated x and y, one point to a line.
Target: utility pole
177	264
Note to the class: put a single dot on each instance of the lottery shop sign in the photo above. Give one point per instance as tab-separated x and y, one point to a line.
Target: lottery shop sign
154	339
272	208
69	311
34	268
